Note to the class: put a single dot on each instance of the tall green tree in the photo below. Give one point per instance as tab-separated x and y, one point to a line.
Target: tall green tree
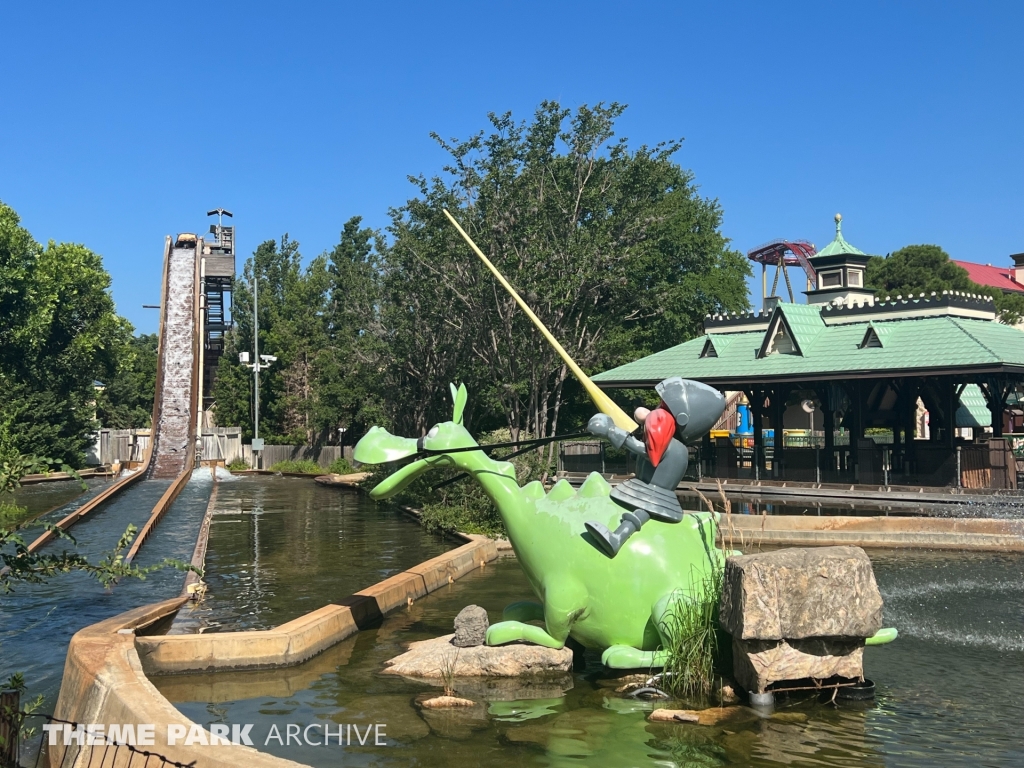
322	324
59	334
278	269
348	397
126	399
612	247
917	269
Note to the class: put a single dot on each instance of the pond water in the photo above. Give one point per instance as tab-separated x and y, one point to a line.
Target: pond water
281	547
945	693
42	498
38	620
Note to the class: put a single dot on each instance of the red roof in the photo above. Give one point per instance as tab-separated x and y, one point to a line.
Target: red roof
994	277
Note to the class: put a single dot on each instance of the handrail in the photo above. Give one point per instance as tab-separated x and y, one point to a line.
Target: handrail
119	485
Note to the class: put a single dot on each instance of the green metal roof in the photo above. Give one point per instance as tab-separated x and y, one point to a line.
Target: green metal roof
839	246
909	345
973	411
804	320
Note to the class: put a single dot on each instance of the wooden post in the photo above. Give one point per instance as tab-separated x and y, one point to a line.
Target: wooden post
896	456
910	426
949	391
778	409
856	428
830	439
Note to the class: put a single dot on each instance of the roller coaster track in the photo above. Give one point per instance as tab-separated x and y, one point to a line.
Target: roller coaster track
171	452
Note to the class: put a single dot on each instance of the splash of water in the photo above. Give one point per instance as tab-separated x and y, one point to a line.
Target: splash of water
911	591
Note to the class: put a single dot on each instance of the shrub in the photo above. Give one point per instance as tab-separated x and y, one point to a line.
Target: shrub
303	466
340	467
11	514
463	505
238	465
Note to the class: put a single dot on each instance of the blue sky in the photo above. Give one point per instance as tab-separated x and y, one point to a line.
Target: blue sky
122	123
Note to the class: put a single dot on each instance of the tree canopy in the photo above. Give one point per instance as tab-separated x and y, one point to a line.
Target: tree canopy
59	334
125	400
613	248
917	269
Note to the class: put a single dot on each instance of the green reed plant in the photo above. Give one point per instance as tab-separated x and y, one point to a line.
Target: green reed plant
692	639
449	662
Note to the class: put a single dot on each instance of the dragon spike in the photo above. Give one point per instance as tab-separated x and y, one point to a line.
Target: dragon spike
604	403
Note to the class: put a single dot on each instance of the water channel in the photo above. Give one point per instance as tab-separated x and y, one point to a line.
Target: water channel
40	499
946	692
281	547
38	620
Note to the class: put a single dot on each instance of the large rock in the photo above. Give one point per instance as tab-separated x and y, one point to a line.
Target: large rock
426	659
799	593
471	627
759	663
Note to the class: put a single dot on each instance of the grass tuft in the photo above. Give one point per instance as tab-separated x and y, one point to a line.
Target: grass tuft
11	514
448	664
693	640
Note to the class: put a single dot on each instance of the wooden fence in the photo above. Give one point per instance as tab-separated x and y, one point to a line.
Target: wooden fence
222	444
122	445
219	444
988	465
271	454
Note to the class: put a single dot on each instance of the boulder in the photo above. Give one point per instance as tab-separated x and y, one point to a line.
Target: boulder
799	593
471	627
759	663
426	659
349	480
443	702
673	716
710	716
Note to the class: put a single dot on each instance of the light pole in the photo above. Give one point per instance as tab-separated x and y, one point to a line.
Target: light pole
256	365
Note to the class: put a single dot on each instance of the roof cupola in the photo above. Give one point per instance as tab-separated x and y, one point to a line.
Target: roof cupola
840	269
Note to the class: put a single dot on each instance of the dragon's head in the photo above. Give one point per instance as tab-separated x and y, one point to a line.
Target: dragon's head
378	446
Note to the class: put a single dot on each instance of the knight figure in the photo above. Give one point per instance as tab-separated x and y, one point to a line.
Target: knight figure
687	410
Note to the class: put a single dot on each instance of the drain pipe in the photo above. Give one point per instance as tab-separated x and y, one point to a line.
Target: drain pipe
959	475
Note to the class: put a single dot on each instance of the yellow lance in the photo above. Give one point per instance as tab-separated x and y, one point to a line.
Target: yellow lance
604	403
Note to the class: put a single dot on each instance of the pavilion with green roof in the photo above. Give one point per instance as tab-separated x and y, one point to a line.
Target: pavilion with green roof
863	363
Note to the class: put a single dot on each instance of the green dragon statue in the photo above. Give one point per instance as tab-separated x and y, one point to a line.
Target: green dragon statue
615	603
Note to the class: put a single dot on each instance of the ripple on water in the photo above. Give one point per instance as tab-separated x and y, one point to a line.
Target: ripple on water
280	547
941	701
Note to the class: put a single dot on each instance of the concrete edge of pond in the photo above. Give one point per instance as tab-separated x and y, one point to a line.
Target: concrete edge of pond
879	532
56	477
105	675
975	534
